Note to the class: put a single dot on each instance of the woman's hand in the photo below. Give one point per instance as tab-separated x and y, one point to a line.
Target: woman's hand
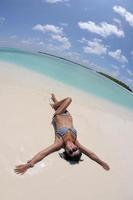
21	169
106	166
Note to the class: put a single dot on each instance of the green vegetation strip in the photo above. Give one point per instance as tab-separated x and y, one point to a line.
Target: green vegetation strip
116	80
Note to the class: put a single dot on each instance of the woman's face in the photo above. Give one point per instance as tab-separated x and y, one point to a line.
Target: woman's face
71	149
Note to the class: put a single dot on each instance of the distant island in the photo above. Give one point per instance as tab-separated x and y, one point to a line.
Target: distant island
116	80
103	74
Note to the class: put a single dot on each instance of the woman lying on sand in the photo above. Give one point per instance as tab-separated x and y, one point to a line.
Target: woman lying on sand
65	137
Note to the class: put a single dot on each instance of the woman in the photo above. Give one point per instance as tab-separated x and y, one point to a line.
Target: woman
65	137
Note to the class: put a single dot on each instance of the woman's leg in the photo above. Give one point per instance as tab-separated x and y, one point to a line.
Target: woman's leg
60	106
57	103
63	106
54	98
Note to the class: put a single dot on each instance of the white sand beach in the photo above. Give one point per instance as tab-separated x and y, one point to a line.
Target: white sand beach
25	129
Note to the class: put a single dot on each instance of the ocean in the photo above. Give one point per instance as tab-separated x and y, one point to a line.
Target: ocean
69	74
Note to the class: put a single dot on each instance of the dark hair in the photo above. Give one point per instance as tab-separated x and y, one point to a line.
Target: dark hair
72	159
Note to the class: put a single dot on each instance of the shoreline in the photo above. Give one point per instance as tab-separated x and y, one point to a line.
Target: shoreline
59	84
118	82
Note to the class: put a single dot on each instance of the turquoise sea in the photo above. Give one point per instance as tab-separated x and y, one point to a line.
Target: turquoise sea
70	74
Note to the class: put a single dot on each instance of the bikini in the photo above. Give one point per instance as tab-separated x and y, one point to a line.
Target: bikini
63	130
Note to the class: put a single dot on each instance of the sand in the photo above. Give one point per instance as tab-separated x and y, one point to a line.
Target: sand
25	129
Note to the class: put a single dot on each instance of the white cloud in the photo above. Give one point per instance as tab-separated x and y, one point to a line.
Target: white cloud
48	28
27	41
56	33
115	73
117	55
31	41
55	1
86	62
74	56
83	40
117	21
56	49
128	16
130	72
95	46
64	40
2	20
63	24
40	43
115	67
103	29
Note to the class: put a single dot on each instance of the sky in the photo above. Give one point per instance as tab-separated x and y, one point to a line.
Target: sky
96	33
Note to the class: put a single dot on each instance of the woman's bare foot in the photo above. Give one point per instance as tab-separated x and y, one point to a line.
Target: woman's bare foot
52	105
53	98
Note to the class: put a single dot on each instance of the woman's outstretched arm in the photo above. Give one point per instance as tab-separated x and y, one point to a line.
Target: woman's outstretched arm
92	156
21	169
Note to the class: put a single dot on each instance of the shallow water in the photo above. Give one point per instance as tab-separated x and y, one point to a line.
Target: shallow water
70	74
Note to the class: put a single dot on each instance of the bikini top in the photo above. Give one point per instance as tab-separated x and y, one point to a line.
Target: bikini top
63	130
